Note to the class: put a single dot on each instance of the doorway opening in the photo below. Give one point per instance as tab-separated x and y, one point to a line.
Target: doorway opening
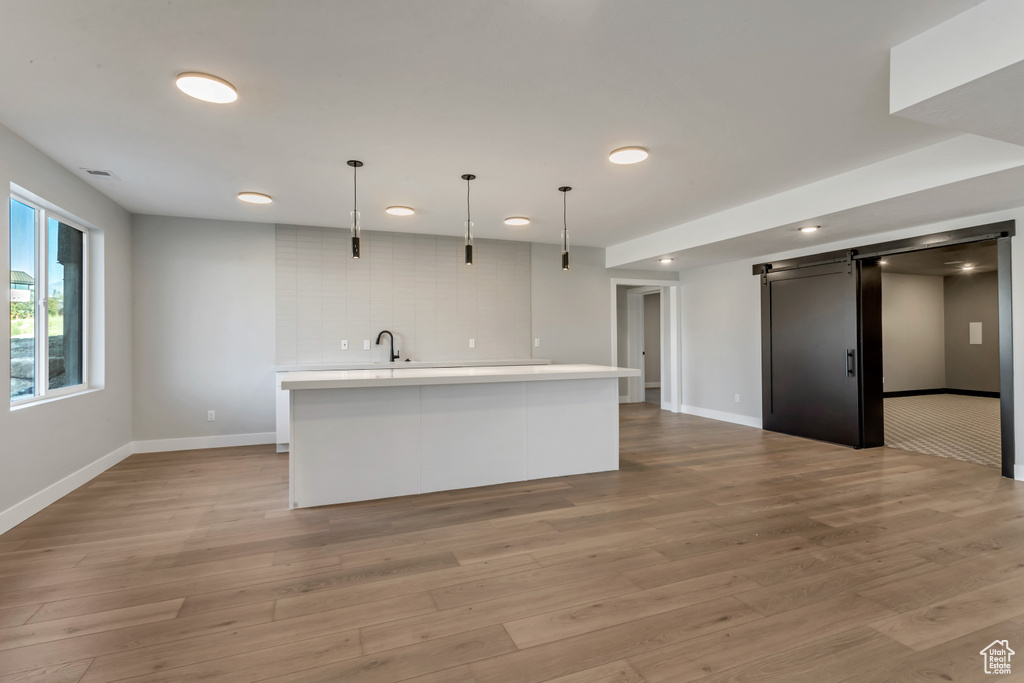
822	338
940	321
645	336
650	367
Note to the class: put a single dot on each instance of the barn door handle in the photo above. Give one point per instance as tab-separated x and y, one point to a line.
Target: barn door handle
851	362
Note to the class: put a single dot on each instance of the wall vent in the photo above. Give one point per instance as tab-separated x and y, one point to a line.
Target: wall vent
100	173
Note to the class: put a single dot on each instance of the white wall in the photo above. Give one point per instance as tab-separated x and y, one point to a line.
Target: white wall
44	443
203	328
913	332
721	342
215	351
572	309
416	286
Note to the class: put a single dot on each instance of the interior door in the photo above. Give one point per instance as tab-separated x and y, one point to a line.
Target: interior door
811	361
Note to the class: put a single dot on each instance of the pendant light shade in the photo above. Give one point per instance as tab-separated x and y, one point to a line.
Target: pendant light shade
565	229
355	208
469	222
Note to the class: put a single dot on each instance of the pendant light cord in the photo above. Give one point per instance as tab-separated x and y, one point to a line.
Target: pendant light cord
469	217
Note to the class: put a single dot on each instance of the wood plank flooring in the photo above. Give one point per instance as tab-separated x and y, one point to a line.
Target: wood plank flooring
717	553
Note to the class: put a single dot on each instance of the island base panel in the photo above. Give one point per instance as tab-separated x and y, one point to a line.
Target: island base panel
573	427
354	444
472	435
380	442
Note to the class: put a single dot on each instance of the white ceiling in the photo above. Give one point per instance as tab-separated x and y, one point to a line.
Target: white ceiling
736	99
990	193
983	257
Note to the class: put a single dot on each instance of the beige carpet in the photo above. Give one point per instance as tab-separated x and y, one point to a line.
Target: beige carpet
959	427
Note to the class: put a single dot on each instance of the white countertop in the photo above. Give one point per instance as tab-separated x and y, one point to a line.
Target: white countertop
386	377
410	364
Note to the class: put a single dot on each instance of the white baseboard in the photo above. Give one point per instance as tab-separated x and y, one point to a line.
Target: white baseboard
195	443
623	399
1018	472
723	416
19	512
667	405
653	385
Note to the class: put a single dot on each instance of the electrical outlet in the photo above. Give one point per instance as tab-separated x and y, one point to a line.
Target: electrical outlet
344	344
536	343
737	398
472	343
211	415
366	345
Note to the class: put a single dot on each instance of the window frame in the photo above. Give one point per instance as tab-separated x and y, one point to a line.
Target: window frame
42	305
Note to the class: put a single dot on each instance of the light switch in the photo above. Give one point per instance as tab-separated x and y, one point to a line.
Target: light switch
472	343
344	344
975	333
536	343
366	344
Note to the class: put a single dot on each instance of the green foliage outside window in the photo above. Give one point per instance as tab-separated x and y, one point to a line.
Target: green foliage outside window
21	310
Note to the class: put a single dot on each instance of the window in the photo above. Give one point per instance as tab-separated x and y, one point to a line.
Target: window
48	280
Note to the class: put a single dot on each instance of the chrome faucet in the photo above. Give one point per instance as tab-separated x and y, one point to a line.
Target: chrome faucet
394	354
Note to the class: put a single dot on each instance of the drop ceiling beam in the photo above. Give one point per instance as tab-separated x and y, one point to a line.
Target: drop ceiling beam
965	74
953	161
970	46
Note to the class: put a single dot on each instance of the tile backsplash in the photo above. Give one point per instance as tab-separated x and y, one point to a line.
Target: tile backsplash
416	286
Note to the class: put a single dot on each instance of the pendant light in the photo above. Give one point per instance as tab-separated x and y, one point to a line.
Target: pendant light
565	230
469	222
355	209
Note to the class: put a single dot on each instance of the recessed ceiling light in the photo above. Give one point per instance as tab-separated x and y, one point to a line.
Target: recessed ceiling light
967	267
810	228
628	155
884	263
206	87
400	210
665	260
255	197
517	220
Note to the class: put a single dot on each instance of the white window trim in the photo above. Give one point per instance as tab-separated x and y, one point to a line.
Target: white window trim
42	378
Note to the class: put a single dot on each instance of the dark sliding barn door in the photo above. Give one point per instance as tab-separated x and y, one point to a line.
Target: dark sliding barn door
813	352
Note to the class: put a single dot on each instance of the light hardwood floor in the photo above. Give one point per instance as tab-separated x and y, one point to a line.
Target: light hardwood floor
717	553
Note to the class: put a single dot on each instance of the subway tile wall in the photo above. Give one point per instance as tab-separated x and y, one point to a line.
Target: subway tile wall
414	285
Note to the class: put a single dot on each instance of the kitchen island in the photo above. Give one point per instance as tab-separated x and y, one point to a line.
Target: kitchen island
283	400
378	433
